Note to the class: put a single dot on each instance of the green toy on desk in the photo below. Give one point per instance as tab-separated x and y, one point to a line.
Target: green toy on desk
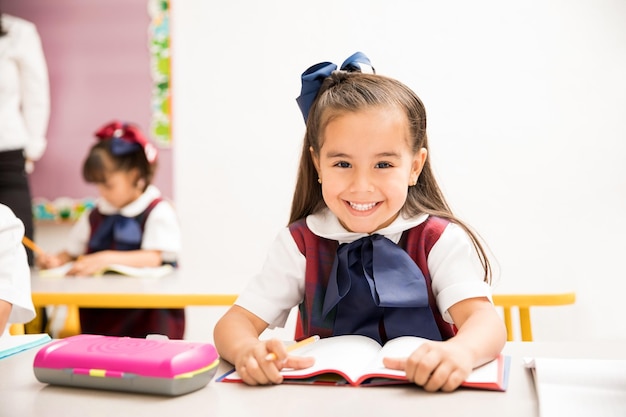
152	366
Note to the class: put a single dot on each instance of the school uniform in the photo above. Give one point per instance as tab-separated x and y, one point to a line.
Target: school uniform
451	271
155	226
24	113
14	270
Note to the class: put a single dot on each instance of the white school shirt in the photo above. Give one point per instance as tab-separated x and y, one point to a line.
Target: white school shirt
24	89
14	269
455	268
161	231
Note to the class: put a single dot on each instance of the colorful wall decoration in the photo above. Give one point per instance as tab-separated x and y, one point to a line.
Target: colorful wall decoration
159	39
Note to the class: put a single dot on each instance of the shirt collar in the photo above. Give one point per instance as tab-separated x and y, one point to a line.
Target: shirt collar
133	209
325	224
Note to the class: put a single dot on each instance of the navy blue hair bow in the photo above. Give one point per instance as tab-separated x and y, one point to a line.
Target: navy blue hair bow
314	76
126	138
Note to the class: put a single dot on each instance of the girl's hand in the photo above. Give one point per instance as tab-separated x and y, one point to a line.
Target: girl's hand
47	261
91	264
435	365
256	366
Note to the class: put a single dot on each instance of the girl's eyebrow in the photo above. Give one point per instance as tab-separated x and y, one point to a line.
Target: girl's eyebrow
333	154
388	155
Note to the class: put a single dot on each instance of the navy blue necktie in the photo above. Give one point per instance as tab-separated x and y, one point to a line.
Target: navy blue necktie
116	232
375	284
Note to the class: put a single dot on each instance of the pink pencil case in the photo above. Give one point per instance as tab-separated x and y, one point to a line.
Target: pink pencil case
153	366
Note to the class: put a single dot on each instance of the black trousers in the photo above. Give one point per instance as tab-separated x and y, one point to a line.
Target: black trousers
15	191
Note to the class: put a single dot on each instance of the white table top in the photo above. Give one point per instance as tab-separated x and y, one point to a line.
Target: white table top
179	289
22	395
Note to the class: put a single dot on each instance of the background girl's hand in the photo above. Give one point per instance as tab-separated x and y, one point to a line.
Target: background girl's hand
256	368
435	365
47	261
91	264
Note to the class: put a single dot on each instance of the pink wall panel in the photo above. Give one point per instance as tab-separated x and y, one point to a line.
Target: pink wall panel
98	63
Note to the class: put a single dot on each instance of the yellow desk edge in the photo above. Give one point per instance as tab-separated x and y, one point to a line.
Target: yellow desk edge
109	300
112	300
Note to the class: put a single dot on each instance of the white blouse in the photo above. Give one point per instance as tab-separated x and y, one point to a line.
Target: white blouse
161	231
455	268
24	89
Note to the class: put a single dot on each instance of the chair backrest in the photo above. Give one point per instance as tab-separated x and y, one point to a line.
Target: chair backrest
71	326
523	302
16	329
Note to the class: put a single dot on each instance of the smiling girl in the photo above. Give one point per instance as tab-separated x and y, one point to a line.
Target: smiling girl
372	248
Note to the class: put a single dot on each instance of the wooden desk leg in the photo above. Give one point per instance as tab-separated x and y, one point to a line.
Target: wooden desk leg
524	315
72	322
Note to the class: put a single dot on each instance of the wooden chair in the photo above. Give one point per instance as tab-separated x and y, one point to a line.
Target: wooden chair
71	326
16	328
523	302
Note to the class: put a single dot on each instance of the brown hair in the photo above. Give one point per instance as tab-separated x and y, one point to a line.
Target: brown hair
344	92
101	161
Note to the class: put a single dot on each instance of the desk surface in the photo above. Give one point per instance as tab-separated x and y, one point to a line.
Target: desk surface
171	291
22	395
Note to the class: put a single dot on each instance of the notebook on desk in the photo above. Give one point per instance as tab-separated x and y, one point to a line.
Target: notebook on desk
143	272
354	360
579	387
10	345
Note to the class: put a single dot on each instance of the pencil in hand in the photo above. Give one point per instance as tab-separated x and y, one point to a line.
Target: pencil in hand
33	246
272	356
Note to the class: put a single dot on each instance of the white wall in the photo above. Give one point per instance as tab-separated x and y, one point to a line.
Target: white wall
526	103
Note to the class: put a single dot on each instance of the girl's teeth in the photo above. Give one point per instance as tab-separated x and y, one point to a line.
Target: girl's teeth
362	207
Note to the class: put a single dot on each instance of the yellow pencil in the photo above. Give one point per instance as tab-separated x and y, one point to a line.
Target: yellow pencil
272	356
32	246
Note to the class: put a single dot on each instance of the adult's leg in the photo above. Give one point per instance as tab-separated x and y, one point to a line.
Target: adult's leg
15	193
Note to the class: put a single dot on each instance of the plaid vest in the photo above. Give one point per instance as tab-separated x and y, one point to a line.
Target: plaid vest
320	254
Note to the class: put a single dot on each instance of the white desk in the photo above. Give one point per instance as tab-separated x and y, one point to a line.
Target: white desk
111	291
22	395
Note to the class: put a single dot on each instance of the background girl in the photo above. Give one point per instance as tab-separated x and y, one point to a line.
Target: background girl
131	225
372	247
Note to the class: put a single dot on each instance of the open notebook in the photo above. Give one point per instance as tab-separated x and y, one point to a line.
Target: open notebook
355	360
145	272
10	345
579	387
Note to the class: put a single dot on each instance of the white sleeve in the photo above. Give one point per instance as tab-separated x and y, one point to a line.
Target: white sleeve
162	232
35	91
455	270
279	286
78	237
14	269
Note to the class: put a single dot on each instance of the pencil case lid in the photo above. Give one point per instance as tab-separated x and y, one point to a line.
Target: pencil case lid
114	356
